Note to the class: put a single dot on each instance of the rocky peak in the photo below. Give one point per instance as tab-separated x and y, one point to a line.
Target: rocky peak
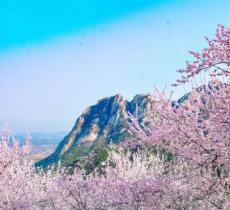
101	123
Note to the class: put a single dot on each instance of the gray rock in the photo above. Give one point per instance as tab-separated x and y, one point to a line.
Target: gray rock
99	124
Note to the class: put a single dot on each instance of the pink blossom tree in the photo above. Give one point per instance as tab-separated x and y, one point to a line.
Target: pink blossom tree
125	185
21	187
197	131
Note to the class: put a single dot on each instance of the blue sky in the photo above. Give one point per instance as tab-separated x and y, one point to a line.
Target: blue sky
26	21
58	57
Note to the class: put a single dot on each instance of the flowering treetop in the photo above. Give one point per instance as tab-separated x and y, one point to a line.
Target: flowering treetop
215	59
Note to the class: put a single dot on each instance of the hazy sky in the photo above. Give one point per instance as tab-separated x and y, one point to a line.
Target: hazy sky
58	57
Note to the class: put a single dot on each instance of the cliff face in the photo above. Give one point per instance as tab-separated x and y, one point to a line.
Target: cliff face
103	123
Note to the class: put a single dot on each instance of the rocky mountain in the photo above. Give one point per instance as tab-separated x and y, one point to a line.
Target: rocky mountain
103	123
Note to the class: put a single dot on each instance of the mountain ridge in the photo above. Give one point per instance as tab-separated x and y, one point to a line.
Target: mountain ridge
100	124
